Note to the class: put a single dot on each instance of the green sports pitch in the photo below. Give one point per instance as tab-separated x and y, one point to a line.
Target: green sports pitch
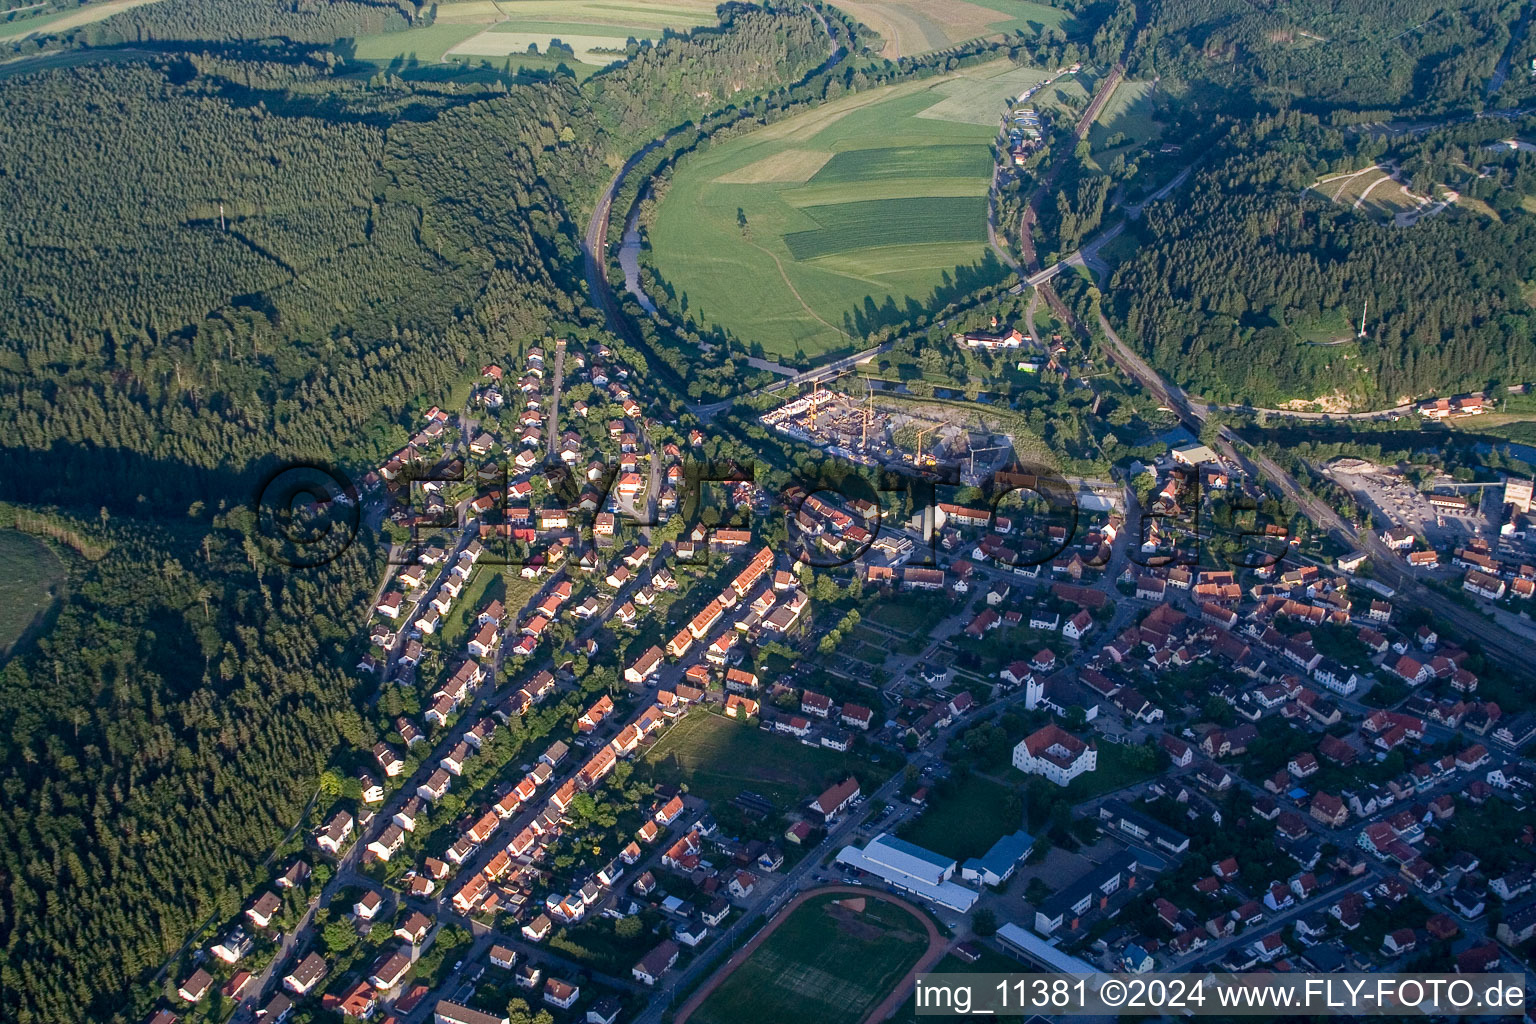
806	236
831	961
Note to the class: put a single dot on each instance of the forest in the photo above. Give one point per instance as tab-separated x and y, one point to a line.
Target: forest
298	256
166	731
309	21
221	259
227	248
1227	273
228	278
1366	60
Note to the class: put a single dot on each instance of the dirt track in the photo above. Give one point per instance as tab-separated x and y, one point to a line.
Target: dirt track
938	945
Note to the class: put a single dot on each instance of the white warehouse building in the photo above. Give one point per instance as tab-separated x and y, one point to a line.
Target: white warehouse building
911	868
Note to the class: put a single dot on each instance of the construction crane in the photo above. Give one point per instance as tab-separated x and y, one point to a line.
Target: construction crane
918	459
869	412
816	394
996	448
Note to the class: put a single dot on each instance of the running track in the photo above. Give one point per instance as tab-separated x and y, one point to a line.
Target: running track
938	945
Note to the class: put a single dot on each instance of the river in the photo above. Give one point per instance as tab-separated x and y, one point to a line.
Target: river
629	260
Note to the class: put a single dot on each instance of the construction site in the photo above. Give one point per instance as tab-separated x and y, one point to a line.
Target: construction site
863	430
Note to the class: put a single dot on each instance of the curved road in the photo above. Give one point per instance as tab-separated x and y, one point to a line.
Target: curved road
594	242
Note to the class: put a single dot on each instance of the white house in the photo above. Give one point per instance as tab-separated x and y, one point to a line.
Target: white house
1056	754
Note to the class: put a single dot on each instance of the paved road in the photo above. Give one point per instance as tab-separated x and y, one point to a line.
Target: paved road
767	904
595	240
1002	253
491	693
1509	651
554	409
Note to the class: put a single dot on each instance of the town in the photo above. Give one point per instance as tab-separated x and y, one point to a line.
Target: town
617	741
696	512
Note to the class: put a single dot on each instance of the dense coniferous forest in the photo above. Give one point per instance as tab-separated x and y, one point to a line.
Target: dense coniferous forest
1224	271
301	21
373	241
1371	56
162	736
229	255
350	274
679	80
158	353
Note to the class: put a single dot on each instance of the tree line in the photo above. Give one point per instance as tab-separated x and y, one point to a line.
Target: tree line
1227	272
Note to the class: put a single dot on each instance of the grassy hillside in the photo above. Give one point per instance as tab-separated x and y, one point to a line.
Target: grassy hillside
806	235
916	26
517	35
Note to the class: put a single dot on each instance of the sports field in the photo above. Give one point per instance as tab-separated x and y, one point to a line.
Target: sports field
831	961
809	234
917	26
476	31
31	578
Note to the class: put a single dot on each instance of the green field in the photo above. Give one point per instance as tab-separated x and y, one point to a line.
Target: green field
24	24
473	33
917	26
983	100
1131	112
844	227
806	236
27	22
425	45
964	822
825	963
718	757
31	578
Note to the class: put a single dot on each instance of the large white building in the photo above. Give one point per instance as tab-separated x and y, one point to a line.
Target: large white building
912	868
1056	754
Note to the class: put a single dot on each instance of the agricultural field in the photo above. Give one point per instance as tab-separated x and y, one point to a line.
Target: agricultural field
916	26
24	23
718	757
480	32
31	579
1128	120
983	100
809	234
1067	97
831	961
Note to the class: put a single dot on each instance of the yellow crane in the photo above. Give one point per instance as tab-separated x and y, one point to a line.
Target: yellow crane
869	412
816	394
918	459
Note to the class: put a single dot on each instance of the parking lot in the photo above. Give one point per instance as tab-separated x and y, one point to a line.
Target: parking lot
1395	501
